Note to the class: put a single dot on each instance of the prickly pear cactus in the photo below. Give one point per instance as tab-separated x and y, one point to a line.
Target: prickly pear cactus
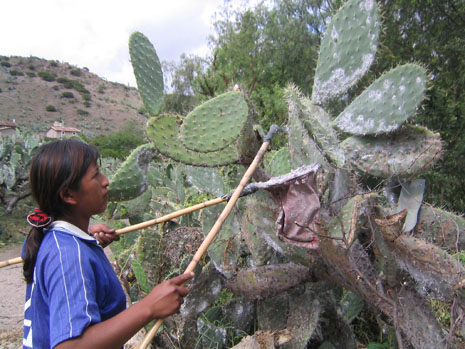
366	146
16	153
131	178
147	69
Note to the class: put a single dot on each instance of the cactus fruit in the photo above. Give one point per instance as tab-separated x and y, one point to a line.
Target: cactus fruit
404	153
348	49
147	69
386	103
131	178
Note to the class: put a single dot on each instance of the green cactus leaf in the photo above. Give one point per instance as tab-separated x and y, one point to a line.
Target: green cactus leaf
260	231
206	179
387	103
214	124
140	275
404	153
163	132
279	163
348	222
348	49
411	198
225	249
302	148
131	178
147	70
318	123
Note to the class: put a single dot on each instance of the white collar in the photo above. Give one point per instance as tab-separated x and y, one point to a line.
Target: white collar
72	230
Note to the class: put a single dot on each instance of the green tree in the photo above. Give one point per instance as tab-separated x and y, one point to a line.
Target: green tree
264	48
432	32
182	78
119	144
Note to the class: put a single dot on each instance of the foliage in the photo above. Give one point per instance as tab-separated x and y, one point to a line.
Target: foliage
15	156
47	76
67	94
50	108
119	144
75	72
261	50
433	34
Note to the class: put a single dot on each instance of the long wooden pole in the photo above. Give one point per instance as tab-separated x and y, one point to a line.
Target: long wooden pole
217	226
145	224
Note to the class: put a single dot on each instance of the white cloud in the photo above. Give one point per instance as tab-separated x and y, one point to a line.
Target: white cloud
95	33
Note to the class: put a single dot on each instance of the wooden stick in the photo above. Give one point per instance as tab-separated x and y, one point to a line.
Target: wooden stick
171	215
11	262
217	226
145	224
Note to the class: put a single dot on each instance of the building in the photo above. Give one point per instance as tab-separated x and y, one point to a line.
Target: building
8	128
58	130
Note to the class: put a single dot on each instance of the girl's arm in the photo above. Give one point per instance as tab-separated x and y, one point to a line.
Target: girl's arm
164	300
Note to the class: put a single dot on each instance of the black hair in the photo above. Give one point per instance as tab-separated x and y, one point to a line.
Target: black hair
56	166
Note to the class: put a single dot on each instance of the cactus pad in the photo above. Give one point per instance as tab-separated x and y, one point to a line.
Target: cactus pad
318	123
147	69
163	132
387	103
214	124
302	148
403	153
348	49
131	178
279	163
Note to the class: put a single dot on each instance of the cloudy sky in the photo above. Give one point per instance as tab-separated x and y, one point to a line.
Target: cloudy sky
95	33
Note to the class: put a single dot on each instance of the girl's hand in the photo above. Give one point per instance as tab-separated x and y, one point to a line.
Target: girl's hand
167	297
104	234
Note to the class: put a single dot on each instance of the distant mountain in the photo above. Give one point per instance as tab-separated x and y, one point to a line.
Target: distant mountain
36	92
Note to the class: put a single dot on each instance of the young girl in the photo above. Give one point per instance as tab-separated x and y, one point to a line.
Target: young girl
73	297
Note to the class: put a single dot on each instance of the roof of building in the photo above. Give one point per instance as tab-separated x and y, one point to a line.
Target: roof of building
8	124
65	129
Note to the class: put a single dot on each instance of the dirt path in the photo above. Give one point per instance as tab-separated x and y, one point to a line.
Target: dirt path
12	292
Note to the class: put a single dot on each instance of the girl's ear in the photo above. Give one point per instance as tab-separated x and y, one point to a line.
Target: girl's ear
68	196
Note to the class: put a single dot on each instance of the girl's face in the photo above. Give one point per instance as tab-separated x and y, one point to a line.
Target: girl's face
92	196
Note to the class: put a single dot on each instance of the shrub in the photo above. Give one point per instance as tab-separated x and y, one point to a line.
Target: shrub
63	80
32	67
82	112
101	88
56	88
67	94
50	108
75	72
31	74
16	73
5	64
87	104
86	97
47	76
54	64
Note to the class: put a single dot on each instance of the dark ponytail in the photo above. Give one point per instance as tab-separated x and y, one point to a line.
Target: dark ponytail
56	166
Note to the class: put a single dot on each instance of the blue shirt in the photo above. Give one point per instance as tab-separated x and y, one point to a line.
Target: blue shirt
74	286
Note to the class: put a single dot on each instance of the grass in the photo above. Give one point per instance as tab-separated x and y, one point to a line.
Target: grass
13	227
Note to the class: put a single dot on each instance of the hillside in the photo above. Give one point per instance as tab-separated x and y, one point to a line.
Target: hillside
36	92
